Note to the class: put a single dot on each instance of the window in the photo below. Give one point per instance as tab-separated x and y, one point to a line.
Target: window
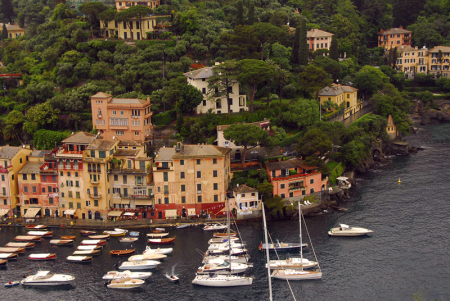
282	186
116	178
101	154
70	194
311	181
76	174
24	176
124	179
181	162
166	189
3	177
216	198
125	192
183	187
199	188
216	186
34	189
96	203
199	198
204	102
215	173
43	189
183	199
166	200
68	173
78	205
166	176
214	161
182	175
274	173
198	161
20	160
311	190
77	194
70	205
92	154
25	189
5	202
253	194
204	90
199	174
77	183
283	196
88	203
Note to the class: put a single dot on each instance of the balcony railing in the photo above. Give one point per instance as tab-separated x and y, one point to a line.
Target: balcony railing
95	196
94	181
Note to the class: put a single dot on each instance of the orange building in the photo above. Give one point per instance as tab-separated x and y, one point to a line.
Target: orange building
292	179
121	118
394	37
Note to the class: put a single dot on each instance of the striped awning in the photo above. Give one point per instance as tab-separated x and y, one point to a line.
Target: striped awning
31	212
171	213
115	213
4	211
69	211
125	202
129	213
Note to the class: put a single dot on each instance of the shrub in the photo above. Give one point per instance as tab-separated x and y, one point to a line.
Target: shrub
163	119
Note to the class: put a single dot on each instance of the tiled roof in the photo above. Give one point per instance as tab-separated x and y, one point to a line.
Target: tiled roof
101	144
292	163
165	154
8	152
196	151
390	121
316	33
128	101
441	48
31	167
206	72
101	95
129	143
39	153
10	27
244	188
336	90
394	31
80	138
126	152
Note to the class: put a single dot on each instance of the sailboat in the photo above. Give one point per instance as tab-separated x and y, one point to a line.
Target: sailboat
223	280
301	274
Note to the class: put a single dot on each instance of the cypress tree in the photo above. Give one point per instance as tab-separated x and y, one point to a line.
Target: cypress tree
295	46
251	13
239	13
303	46
4	32
334	54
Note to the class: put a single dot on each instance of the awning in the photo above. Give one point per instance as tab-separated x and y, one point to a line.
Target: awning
4	211
69	211
31	212
116	201
115	213
143	202
125	202
129	213
191	211
171	213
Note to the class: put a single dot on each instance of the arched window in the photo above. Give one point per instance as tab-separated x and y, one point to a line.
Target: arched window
93	168
67	163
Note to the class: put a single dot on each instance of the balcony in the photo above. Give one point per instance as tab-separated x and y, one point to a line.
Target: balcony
95	196
69	154
94	181
99	115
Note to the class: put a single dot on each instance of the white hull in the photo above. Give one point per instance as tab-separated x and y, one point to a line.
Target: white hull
139	265
182	226
126	274
148	256
45	278
125	283
296	275
214	227
345	230
158	251
56	283
292	263
222	280
236	259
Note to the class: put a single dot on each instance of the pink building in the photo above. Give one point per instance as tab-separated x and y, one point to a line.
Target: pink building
293	179
394	37
121	118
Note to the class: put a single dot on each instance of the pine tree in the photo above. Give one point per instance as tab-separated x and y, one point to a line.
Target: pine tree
303	46
251	13
239	13
334	54
295	46
4	35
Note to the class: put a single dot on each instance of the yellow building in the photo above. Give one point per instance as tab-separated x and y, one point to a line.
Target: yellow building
133	30
12	159
391	129
191	180
14	31
341	95
412	60
125	4
439	61
96	159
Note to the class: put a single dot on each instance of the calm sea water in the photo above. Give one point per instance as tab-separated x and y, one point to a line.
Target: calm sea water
406	256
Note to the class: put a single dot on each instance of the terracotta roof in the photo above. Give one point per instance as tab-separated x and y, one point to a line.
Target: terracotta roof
394	31
31	167
8	152
244	188
80	138
336	90
441	48
165	154
127	101
126	152
206	72
292	163
407	48
315	33
390	121
101	95
101	144
39	153
11	27
196	151
129	143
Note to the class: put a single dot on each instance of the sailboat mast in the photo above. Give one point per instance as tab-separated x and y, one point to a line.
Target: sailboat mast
300	226
267	251
228	229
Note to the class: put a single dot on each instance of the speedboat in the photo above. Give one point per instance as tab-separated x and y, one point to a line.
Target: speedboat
12	250
222	280
79	259
182	226
26	245
172	278
345	230
343	183
139	265
45	278
35	227
147	256
125	283
223	267
126	274
93	242
61	242
290	274
40	233
12	283
101	236
8	256
133	233
158	250
292	263
27	238
128	239
214	227
42	256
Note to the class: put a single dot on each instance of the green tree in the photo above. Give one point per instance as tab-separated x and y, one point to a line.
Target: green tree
13	126
4	35
313	146
92	9
191	97
7	10
221	83
303	45
282	77
41	116
265	190
265	33
296	46
367	84
252	73
251	13
313	79
245	135
334	53
107	16
139	11
301	114
239	13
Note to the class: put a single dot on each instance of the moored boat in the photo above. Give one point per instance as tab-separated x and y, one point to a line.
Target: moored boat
87	232
219	234
126	252
281	246
68	237
27	238
161	240
126	274
12	283
12	250
134	233
3	263
8	256
90	247
42	256
35	227
148	256
158	250
45	278
61	242
100	236
95	242
128	239
125	283
116	232
222	267
292	263
215	280
86	252
291	274
214	258
345	230
220	240
214	227
157	234
79	259
40	233
139	265
182	226
160	229
26	245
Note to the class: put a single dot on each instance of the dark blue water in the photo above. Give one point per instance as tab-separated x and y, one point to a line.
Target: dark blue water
407	256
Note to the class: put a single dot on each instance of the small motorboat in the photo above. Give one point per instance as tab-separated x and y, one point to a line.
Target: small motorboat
139	265
128	239
90	247
12	250
223	267
68	237
40	233
42	256
27	238
172	278
161	240
35	227
157	234
133	233
343	183
126	274
87	232
122	252
3	263
214	227
101	236
79	259
147	256
26	245
160	229
182	226
232	234
281	246
95	242
158	250
116	232
45	278
61	242
12	283
86	252
125	283
220	240
345	230
8	256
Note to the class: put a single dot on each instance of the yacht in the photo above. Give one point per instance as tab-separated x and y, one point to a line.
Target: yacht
222	267
45	278
345	230
292	263
139	265
126	274
214	227
125	283
222	280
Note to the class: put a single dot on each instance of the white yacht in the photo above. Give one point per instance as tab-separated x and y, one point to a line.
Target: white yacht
222	280
147	256
125	283
139	265
45	278
126	274
222	267
158	250
292	263
214	227
345	230
214	258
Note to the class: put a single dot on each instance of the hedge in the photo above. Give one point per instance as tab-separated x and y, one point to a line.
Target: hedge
336	172
163	119
290	140
46	139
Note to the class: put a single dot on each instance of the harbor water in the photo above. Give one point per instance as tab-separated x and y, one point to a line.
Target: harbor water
406	257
